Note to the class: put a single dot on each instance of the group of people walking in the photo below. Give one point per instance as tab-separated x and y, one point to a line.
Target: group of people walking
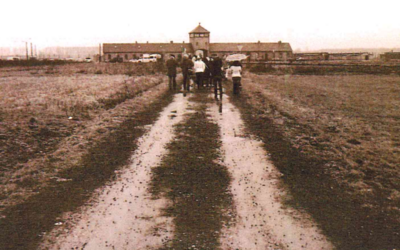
204	71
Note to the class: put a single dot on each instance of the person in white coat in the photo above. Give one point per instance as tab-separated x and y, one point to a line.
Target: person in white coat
236	71
199	68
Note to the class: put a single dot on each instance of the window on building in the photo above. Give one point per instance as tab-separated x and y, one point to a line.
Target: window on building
126	56
197	35
206	35
109	57
191	35
206	43
197	43
201	35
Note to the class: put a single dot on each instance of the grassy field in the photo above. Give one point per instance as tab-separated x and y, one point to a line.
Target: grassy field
359	116
335	138
50	109
348	129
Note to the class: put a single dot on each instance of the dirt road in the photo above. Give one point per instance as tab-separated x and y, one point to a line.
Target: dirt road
129	215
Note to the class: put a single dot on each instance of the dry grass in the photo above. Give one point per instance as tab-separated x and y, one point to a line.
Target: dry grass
66	96
352	119
86	68
66	179
335	139
39	111
82	119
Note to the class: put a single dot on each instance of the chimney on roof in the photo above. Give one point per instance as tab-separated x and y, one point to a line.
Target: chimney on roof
136	42
183	41
259	41
147	42
172	42
280	42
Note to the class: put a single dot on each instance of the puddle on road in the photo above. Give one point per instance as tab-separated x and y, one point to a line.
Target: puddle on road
261	221
126	216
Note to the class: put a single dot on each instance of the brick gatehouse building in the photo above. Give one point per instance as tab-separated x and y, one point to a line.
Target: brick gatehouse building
199	44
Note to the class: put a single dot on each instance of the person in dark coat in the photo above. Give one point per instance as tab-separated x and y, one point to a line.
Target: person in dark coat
206	74
171	66
217	74
211	65
187	66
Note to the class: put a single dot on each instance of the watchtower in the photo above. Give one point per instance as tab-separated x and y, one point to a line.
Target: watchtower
200	40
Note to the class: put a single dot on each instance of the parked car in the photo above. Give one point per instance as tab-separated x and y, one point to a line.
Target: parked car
146	58
11	58
88	59
155	57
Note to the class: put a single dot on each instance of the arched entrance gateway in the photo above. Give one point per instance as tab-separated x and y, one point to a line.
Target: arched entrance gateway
202	53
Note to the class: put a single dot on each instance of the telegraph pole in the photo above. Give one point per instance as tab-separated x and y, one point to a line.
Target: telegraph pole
27	53
31	50
99	52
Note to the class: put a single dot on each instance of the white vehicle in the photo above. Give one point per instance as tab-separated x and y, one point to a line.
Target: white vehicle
11	58
154	57
88	59
146	58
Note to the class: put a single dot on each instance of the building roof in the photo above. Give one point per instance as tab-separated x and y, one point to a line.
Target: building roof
199	29
179	47
147	47
247	47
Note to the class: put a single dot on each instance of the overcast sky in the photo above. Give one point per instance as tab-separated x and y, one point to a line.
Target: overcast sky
305	24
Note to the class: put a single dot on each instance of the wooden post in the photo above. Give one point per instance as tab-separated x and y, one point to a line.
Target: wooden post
27	53
99	52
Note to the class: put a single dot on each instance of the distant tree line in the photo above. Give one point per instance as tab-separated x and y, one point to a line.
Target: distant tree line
33	62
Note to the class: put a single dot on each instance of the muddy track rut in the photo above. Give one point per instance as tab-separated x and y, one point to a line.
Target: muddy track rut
196	181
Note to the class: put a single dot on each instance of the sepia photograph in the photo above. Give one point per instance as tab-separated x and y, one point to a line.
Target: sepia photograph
204	125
